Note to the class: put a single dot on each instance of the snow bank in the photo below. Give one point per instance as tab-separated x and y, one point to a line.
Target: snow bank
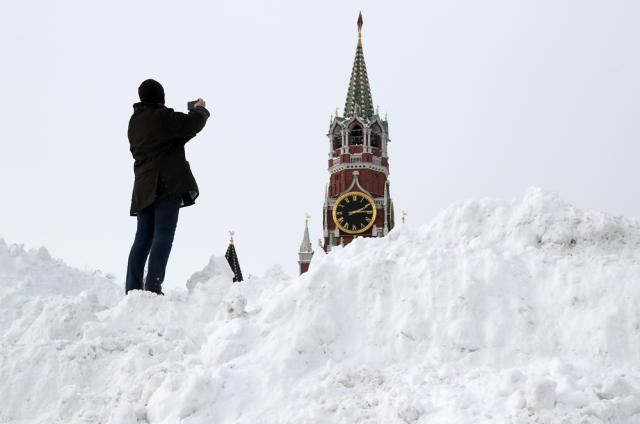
37	291
522	311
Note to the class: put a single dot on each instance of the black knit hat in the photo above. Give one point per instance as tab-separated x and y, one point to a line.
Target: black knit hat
151	91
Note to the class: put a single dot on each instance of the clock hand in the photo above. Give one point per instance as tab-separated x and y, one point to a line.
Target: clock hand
360	211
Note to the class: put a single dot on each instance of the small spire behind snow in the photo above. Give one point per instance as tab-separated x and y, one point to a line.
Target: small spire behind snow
232	258
306	248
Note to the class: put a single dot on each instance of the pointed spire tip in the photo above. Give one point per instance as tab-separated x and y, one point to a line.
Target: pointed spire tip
305	246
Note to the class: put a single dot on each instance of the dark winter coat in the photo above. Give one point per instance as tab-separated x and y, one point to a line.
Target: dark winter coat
157	136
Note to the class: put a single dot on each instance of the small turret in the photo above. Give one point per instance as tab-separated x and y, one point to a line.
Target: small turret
232	258
306	249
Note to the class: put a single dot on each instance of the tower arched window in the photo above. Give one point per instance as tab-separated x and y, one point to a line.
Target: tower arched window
336	138
376	136
356	136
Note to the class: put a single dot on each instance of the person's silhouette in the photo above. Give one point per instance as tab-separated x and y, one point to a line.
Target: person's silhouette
163	180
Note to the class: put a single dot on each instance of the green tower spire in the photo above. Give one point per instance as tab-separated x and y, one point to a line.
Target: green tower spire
359	99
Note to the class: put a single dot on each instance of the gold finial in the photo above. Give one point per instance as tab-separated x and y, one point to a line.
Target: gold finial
360	22
404	216
307	217
231	234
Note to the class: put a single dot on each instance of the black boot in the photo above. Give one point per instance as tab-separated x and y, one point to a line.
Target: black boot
157	291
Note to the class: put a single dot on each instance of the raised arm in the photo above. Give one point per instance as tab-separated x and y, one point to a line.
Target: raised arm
183	125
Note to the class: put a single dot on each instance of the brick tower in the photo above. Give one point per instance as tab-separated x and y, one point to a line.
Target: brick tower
357	201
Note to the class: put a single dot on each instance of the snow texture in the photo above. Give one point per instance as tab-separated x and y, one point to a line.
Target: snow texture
496	312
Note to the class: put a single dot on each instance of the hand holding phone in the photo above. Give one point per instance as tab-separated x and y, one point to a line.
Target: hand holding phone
196	103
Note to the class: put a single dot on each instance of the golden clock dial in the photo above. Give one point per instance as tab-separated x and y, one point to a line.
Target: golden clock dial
354	212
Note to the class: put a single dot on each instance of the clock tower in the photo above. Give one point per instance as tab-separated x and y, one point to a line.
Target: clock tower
357	200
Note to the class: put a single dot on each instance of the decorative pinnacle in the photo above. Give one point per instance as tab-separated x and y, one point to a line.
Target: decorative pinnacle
306	246
231	234
360	22
404	216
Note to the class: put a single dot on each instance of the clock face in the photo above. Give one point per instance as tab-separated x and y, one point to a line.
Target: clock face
354	212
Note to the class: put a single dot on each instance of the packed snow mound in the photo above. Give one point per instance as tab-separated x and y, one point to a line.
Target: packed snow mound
38	289
33	272
540	220
523	311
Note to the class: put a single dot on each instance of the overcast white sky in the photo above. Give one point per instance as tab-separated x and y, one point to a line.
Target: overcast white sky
485	98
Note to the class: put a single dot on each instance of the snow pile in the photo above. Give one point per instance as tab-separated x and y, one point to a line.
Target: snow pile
494	312
37	292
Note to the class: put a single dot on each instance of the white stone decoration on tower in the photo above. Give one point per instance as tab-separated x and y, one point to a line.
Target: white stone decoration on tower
306	249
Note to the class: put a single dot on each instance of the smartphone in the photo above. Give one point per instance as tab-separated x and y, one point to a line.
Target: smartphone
191	105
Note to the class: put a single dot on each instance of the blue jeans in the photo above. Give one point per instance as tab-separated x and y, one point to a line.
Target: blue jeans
154	238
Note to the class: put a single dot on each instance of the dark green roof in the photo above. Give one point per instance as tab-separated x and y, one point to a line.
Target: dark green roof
359	100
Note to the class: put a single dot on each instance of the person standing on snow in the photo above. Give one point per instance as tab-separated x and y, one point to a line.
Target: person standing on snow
163	180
